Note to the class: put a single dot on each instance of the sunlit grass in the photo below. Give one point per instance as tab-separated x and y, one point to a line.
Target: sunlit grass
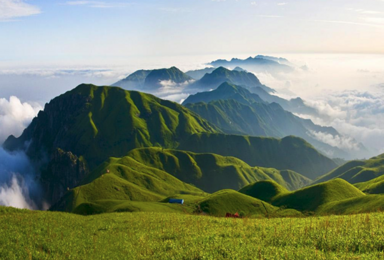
47	235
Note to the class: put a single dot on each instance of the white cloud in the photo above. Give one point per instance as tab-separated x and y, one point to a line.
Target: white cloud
342	142
15	116
281	4
10	9
98	4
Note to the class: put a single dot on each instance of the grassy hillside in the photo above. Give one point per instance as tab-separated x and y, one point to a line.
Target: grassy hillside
374	186
312	197
123	179
288	153
212	172
264	190
358	171
230	201
360	204
49	235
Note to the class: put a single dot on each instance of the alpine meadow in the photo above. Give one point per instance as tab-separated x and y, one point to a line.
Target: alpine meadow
207	129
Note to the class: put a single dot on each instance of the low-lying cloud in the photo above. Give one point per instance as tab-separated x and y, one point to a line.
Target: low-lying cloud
18	185
15	116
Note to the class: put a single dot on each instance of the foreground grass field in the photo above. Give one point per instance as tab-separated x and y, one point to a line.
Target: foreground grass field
49	235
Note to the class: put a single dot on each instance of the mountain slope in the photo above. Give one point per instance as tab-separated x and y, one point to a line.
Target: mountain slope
235	110
264	190
94	123
230	201
288	153
312	197
212	172
357	171
198	74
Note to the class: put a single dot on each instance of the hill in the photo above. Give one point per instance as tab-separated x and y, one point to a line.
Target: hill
220	75
312	197
212	172
264	190
356	205
230	201
358	171
89	124
119	180
291	153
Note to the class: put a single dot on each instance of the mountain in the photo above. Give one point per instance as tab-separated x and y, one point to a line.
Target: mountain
256	64
90	124
154	79
358	171
277	59
198	74
235	110
220	75
225	91
212	172
290	152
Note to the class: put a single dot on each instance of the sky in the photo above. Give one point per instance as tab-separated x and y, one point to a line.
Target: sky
47	33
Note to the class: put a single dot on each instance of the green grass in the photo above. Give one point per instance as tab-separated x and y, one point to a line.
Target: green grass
312	197
374	186
48	235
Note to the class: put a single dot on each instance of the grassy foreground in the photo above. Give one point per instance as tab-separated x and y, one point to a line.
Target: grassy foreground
49	235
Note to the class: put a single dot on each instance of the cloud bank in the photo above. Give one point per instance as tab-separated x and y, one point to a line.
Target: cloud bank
10	9
15	116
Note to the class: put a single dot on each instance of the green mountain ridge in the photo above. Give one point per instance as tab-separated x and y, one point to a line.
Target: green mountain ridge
358	171
290	152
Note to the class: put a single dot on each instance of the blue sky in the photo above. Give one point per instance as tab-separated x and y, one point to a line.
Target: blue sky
58	31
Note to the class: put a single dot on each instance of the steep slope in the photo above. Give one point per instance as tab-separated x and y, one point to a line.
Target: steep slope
212	172
291	153
374	186
94	123
264	190
230	201
312	197
221	75
357	171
